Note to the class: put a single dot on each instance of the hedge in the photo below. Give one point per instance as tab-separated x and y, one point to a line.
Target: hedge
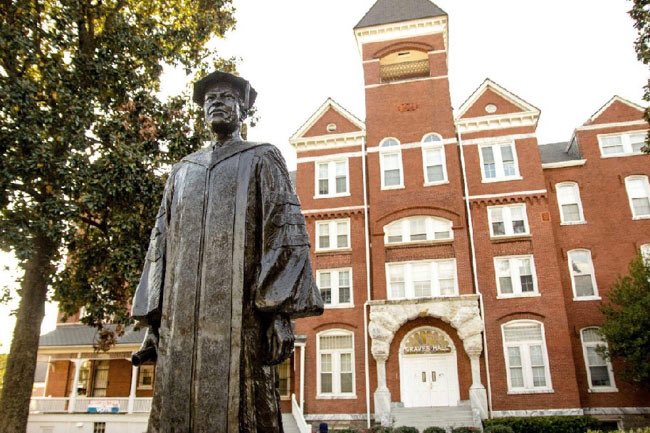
434	430
547	424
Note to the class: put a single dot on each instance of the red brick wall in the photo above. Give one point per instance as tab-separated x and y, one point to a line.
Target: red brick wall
119	378
57	379
490	97
319	128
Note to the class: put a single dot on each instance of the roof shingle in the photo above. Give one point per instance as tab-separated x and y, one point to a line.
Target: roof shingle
395	11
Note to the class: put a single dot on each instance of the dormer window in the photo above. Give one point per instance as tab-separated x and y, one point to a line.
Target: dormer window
404	65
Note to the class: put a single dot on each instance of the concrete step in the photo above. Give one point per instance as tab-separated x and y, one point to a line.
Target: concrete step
289	423
423	417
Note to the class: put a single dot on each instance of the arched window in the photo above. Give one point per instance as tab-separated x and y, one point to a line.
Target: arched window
335	363
526	358
418	229
599	370
583	279
391	164
638	193
433	157
404	65
568	200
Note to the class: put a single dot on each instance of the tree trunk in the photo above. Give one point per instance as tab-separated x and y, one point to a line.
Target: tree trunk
21	363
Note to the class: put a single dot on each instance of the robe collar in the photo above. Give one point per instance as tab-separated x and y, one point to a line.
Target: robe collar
213	154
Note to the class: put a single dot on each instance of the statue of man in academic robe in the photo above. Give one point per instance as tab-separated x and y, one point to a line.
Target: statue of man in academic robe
227	269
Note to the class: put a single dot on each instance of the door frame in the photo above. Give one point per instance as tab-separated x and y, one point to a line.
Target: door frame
453	388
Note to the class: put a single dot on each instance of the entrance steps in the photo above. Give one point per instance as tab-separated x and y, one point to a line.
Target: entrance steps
440	416
289	423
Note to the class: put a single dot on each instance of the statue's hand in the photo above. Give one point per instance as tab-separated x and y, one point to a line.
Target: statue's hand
148	350
279	337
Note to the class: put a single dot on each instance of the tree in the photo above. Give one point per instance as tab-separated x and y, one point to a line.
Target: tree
627	323
640	13
84	140
3	365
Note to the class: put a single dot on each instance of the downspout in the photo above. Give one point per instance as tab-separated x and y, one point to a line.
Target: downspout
470	227
368	296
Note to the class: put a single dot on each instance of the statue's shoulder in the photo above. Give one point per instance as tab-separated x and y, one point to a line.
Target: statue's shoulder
201	156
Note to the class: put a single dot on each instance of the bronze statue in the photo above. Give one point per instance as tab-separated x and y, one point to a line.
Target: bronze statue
227	269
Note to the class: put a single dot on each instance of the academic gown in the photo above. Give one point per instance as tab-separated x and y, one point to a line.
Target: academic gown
228	252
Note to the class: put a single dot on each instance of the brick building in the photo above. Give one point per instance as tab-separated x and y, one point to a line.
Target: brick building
462	263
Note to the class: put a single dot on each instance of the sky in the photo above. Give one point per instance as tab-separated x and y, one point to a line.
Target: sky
566	57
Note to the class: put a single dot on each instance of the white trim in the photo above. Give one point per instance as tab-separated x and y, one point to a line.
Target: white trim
538	412
508	225
611	125
427	146
329	103
515	277
625	143
394	82
335	363
390	151
329	142
646	187
501	121
401	30
595	295
333	209
334	287
526	367
610	371
578	201
613	99
499	168
333	234
498	139
414	145
505	94
408	278
405	227
562	164
327	158
508	194
331	178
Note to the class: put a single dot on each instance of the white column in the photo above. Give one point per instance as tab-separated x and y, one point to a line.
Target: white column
134	385
477	393
72	403
382	394
302	378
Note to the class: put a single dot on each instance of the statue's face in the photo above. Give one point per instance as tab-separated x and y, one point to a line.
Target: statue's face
221	107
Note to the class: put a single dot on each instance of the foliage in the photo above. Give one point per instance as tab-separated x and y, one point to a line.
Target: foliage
640	13
405	429
498	428
348	430
380	429
546	424
627	323
637	430
465	430
3	365
434	429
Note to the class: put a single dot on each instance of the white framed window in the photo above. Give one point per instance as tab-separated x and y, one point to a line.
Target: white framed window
418	229
621	144
645	253
638	193
527	366
510	220
332	178
390	157
583	279
283	370
421	279
333	234
433	157
499	162
335	287
600	375
335	364
146	376
515	276
568	200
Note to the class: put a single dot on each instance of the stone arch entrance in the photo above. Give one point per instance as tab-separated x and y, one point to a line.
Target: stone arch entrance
428	368
461	312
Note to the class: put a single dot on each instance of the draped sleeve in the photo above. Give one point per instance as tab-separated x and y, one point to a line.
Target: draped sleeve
285	283
147	301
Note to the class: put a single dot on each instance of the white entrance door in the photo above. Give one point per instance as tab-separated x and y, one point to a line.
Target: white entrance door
428	380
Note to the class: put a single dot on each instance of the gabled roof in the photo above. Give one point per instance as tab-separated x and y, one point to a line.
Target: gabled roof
490	86
329	104
395	11
613	101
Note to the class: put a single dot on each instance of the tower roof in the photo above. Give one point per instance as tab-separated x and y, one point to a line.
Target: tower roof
394	11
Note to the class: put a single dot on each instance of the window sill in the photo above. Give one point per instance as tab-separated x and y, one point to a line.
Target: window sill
419	243
317	197
336	397
501	179
388	188
510	238
144	388
442	182
531	391
573	223
420	298
622	155
586	298
285	397
517	296
338	307
641	217
602	390
334	251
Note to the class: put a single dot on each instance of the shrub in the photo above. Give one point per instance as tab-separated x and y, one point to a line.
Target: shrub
547	424
380	429
405	429
466	430
434	430
498	428
347	430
